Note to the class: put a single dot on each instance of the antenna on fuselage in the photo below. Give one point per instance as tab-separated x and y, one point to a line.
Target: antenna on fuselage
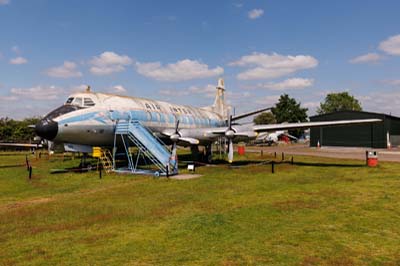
88	88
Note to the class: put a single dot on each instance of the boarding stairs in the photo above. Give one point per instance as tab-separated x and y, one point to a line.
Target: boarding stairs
105	160
148	144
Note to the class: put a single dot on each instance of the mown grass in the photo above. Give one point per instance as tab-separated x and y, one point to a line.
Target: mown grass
318	211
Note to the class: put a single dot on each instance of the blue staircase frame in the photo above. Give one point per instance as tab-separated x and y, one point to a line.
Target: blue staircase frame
149	145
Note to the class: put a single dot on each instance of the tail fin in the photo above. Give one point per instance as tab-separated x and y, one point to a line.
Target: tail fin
219	105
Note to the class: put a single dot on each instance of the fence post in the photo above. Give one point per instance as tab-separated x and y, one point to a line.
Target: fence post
283	156
27	162
30	172
272	167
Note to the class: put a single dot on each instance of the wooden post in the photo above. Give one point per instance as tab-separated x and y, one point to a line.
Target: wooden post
292	160
262	153
100	172
275	154
272	167
27	162
30	172
283	156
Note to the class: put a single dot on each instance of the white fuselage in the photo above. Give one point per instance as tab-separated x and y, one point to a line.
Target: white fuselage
95	125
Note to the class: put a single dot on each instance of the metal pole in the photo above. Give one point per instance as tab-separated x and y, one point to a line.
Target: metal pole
272	167
30	172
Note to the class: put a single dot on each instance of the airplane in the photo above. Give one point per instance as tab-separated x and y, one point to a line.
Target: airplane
89	119
270	138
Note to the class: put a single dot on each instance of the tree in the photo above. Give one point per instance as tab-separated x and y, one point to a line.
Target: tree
341	101
264	118
17	131
288	110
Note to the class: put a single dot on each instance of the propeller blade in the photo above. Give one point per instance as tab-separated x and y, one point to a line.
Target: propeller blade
230	122
176	127
173	154
230	151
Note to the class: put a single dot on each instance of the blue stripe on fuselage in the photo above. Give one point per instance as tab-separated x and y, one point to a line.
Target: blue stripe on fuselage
143	117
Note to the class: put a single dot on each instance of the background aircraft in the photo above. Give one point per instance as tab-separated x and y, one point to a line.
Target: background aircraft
270	138
90	119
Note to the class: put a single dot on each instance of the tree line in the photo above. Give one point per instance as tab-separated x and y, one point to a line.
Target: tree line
17	130
287	109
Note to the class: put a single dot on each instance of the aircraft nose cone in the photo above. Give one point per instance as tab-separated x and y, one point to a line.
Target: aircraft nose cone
47	129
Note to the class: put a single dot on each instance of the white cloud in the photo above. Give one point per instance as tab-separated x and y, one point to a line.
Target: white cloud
4	2
18	60
109	62
265	66
311	105
8	98
268	100
391	45
393	82
255	13
381	102
207	91
118	89
238	5
78	88
292	83
231	95
366	58
38	92
67	70
182	70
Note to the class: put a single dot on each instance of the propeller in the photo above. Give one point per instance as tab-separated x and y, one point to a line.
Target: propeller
174	138
229	134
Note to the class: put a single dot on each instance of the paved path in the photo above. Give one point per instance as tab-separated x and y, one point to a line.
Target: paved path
392	155
184	177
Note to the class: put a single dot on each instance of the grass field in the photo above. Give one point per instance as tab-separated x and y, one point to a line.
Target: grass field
318	211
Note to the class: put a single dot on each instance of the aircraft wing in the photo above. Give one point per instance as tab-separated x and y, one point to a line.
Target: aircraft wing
193	136
24	145
273	127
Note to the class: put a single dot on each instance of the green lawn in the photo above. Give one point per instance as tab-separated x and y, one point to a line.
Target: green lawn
310	213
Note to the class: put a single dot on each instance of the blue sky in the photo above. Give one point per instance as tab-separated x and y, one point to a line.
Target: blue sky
176	51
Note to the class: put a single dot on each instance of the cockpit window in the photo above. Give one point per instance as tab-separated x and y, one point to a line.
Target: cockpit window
64	109
78	101
69	101
88	102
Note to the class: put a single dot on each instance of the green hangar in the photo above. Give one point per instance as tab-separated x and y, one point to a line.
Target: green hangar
377	135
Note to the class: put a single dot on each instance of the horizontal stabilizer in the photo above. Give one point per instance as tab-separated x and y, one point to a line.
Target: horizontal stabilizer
237	117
